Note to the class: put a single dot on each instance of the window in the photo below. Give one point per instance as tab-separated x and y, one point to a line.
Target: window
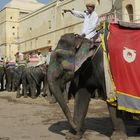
30	28
129	9
49	41
49	24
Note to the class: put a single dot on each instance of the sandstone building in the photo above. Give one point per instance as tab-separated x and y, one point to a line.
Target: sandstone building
27	25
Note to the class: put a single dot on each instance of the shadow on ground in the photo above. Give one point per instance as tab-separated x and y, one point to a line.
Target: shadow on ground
100	125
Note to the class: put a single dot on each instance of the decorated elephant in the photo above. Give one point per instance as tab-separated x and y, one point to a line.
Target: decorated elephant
10	72
18	79
2	73
33	77
86	75
20	74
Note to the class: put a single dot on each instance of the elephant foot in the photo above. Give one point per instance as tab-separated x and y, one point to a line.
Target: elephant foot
71	136
33	97
44	95
18	96
117	135
9	90
25	96
13	90
52	100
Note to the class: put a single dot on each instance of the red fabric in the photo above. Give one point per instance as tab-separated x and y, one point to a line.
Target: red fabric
126	75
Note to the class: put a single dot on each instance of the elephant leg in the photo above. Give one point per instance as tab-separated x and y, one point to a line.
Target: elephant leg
9	86
38	90
24	89
65	93
13	85
45	87
33	89
2	84
18	92
119	131
82	99
56	90
65	84
49	96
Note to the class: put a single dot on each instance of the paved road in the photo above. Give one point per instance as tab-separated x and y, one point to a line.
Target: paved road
28	119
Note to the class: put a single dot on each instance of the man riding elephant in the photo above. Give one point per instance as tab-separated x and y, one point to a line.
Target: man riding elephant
64	67
91	21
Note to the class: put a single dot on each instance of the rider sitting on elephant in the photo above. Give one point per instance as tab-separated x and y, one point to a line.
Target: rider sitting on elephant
21	59
40	58
91	21
10	62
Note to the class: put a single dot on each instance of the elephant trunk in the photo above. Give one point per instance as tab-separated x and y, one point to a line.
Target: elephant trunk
56	91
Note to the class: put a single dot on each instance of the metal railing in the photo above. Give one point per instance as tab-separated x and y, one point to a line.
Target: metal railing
114	17
110	17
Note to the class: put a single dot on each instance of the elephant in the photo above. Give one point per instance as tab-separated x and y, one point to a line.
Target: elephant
33	77
89	77
10	72
18	79
2	73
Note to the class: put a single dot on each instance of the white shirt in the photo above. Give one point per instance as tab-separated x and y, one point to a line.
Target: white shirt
91	22
48	58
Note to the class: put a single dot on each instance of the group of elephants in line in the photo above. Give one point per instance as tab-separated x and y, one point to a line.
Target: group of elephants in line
26	81
88	78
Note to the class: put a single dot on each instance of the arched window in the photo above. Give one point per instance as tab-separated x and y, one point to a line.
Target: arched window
129	9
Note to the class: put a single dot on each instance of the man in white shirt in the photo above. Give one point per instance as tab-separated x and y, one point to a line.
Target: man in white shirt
91	20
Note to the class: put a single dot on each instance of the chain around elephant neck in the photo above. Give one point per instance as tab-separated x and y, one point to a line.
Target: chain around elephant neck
93	56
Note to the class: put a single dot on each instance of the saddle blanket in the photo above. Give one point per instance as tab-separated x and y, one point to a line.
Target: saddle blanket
122	48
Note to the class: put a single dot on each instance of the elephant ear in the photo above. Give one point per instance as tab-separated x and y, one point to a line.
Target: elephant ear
86	50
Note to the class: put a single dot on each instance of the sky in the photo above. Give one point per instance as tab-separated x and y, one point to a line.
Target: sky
3	2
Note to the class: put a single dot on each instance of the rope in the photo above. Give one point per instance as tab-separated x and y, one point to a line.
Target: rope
92	58
95	52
